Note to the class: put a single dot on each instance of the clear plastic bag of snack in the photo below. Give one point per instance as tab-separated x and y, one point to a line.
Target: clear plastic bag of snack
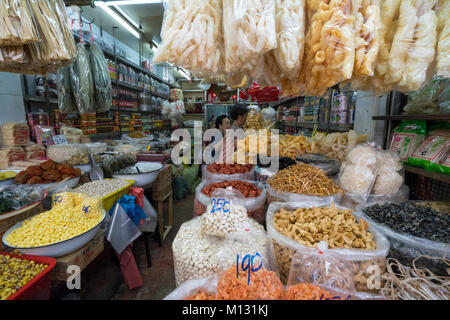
425	100
318	274
443	47
81	80
17	25
290	21
101	78
65	152
255	205
192	35
15	197
330	47
249	31
361	259
196	289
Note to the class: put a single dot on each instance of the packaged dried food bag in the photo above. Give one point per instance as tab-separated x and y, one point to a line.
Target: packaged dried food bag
249	31
16	23
208	175
426	99
66	103
443	47
15	133
290	23
318	274
192	35
102	81
408	137
273	196
330	46
434	153
255	205
196	289
363	261
81	80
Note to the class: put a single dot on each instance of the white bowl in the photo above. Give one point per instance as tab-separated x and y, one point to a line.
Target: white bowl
142	179
69	184
85	168
60	248
10	181
21	210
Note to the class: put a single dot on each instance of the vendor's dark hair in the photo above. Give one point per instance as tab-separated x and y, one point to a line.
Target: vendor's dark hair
220	119
238	110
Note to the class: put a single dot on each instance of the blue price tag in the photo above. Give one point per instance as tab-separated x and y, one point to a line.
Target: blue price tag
87	209
58	199
220	205
247	264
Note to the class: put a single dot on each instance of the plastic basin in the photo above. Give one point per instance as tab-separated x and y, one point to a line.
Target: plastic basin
142	179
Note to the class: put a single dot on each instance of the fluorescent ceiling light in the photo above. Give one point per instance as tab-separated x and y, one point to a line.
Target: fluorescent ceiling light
103	5
130	2
126	16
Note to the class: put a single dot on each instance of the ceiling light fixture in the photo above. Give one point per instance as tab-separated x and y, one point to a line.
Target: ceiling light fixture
131	2
127	17
126	25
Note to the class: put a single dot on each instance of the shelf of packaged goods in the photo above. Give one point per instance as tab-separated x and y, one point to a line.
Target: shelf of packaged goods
275	104
430	117
41	100
127	85
193	91
433	175
159	95
340	127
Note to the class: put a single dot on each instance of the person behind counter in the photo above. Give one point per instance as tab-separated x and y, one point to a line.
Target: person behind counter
238	114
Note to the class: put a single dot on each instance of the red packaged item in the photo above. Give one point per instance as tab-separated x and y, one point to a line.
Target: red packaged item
15	134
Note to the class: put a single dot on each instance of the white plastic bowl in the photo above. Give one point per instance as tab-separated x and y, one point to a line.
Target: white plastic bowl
142	179
60	248
69	184
10	181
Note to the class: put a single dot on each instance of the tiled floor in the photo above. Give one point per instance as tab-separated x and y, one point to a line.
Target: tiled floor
105	280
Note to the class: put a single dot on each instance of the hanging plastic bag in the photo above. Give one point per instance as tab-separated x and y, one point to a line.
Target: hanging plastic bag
66	103
249	31
102	81
290	22
191	35
443	48
318	274
81	80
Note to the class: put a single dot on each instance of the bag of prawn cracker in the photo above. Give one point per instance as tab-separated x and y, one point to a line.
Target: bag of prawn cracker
196	289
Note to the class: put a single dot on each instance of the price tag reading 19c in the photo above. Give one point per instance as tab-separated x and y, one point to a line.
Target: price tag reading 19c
250	267
220	205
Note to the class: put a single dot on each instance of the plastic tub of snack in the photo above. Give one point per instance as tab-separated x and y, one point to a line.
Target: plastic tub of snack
8	181
149	173
110	200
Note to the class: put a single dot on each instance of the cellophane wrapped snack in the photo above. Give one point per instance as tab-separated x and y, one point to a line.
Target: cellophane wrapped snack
330	46
192	35
318	274
16	23
254	203
249	31
290	22
361	258
443	48
66	102
81	80
196	289
102	81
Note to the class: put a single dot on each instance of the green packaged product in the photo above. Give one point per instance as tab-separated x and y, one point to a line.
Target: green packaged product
434	153
407	137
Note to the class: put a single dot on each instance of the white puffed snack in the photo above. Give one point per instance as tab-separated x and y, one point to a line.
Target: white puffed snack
362	156
249	31
221	223
356	179
198	255
388	181
443	49
192	35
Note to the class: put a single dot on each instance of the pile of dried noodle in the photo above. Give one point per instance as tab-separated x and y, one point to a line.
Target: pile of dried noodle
304	179
192	35
405	283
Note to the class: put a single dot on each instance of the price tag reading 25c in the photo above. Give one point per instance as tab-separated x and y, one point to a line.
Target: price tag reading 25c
220	205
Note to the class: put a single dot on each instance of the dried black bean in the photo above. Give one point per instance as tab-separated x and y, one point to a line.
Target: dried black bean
419	221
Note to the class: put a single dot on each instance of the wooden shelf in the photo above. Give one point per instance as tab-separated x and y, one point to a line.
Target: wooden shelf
430	117
433	175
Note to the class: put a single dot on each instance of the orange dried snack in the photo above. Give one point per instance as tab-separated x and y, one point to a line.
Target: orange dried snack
201	295
264	285
307	291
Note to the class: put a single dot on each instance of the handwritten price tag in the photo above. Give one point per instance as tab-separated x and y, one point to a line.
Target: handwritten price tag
59	139
87	209
249	266
58	199
220	205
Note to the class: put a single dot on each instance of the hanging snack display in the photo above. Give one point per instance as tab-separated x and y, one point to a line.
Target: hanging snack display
192	35
17	26
81	80
101	79
15	273
67	219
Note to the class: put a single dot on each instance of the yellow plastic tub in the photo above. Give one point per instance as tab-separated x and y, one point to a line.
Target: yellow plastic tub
109	200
